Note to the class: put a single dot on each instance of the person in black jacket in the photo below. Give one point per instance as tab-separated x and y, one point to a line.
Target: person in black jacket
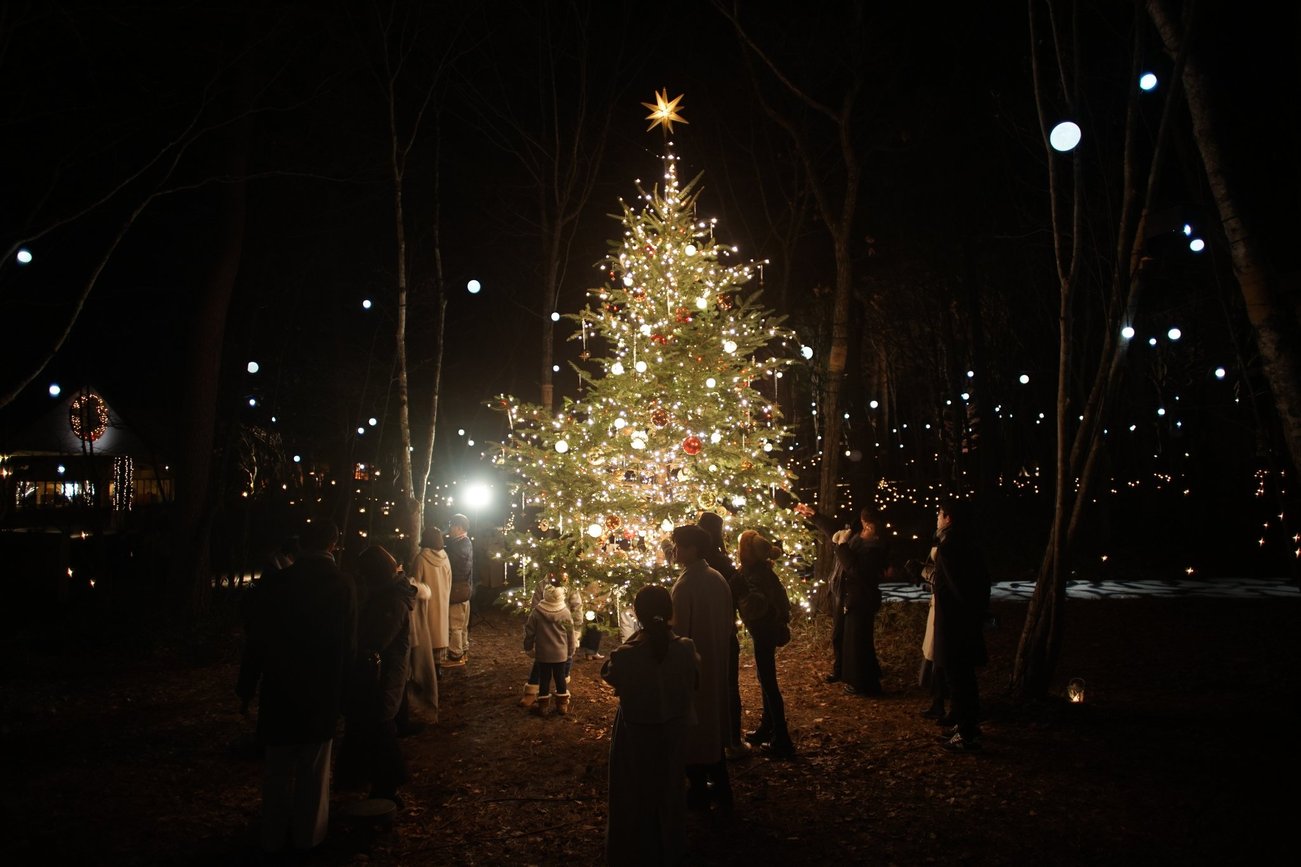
865	557
370	751
961	599
766	611
716	557
299	649
460	554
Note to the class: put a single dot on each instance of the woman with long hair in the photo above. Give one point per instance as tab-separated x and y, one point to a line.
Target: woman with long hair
654	674
766	613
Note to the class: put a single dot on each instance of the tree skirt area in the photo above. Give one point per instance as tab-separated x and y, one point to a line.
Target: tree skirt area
1184	752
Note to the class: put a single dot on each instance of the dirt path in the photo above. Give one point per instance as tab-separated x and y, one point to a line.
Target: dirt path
1182	755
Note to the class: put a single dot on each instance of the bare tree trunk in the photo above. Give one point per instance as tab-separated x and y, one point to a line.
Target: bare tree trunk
440	327
191	578
407	510
1268	310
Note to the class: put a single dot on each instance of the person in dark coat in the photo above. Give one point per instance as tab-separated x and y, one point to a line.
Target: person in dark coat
460	555
299	651
370	751
720	562
766	611
865	559
655	675
961	599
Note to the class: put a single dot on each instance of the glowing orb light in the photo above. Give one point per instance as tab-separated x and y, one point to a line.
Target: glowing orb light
710	382
1147	81
1220	373
1197	245
252	401
253	367
1151	341
1127	332
473	287
477	495
24	256
971	374
729	346
690	249
666	525
1024	379
62	469
594	530
806	351
555	368
873	404
1065	136
1174	334
372	421
617	368
365	305
54	389
555	317
589	616
298	459
640	367
1188	230
360	431
562	446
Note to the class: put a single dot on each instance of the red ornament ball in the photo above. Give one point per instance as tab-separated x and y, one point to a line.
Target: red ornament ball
660	417
682	315
692	445
659	340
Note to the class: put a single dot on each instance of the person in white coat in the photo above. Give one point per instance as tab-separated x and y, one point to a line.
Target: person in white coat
432	575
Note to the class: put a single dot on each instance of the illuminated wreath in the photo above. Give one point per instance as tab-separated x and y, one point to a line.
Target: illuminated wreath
88	416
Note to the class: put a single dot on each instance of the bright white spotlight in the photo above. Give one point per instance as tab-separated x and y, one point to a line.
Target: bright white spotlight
460	432
1197	245
252	401
62	469
477	495
360	431
1151	341
24	256
473	287
806	351
1174	334
1024	379
1147	81
1188	230
971	374
966	395
555	317
365	305
1065	136
55	391
372	421
253	367
298	459
555	368
1220	373
1127	332
873	404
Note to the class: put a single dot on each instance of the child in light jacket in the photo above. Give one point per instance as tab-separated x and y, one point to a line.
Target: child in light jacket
549	636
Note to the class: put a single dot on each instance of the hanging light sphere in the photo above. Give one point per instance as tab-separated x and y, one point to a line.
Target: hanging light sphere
473	287
365	304
594	530
253	367
252	401
372	421
692	445
1024	379
710	382
589	616
966	395
627	280
690	249
1065	136
555	368
1220	373
729	346
971	374
666	525
555	316
298	459
24	256
1151	341
806	351
1197	245
54	389
562	446
1174	334
360	431
617	368
640	367
1127	332
1147	81
873	404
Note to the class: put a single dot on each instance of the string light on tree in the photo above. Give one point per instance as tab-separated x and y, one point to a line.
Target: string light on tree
55	390
1065	136
24	256
1197	245
676	414
473	287
1147	81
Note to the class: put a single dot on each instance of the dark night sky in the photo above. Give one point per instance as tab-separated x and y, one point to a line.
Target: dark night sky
89	90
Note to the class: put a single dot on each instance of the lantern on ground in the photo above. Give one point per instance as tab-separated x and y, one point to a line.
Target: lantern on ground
1075	690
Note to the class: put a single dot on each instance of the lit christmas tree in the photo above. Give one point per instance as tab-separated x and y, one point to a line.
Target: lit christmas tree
680	417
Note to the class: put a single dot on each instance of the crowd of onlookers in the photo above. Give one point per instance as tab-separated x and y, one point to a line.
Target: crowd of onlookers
319	642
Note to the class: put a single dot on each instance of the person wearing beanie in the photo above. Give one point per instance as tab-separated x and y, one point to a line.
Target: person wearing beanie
717	558
574	599
703	612
549	636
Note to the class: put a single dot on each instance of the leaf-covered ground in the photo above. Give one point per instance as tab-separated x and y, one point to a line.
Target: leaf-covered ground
1185	753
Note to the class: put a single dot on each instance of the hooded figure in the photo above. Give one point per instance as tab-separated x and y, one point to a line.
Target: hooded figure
433	581
549	636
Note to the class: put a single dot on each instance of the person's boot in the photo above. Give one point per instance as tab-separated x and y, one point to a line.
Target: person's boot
781	746
562	703
542	706
761	735
530	695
